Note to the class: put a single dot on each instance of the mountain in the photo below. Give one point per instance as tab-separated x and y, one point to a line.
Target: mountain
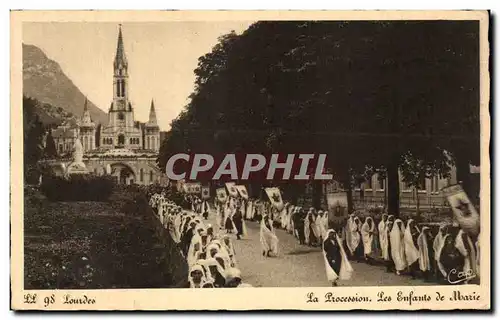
44	80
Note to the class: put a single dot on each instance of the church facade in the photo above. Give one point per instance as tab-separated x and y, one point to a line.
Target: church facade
123	147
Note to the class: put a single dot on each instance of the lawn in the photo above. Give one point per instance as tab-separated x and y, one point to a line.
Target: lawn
96	245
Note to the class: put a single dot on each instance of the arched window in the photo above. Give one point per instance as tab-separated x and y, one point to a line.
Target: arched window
118	88
123	88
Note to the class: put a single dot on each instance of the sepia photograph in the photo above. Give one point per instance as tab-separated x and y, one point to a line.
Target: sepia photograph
254	151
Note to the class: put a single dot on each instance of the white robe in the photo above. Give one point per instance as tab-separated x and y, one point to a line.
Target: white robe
384	241
250	210
423	250
345	271
367	236
469	257
354	236
268	238
478	259
411	251
307	229
397	246
437	245
320	223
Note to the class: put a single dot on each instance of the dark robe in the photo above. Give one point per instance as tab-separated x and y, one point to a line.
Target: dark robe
312	238
333	254
186	240
451	258
238	222
219	281
298	223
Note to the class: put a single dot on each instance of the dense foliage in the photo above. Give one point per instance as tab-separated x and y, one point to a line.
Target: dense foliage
87	187
368	94
97	245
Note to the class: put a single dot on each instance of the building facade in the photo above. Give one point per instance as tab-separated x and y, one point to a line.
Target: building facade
123	147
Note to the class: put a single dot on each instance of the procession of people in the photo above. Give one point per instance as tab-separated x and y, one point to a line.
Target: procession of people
437	254
209	253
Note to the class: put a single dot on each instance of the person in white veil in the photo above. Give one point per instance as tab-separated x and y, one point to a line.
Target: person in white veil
466	247
437	245
268	238
196	277
478	259
347	232
410	244
320	225
382	236
425	255
397	246
228	245
337	264
367	235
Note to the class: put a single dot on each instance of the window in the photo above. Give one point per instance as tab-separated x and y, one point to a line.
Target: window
381	182
435	184
61	148
151	175
121	139
118	88
123	88
121	116
141	175
369	184
421	184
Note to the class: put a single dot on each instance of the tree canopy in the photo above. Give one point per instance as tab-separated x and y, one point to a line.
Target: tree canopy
366	93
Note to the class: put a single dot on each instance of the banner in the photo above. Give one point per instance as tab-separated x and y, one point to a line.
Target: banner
337	206
463	210
205	193
221	195
231	188
192	187
274	195
180	185
242	190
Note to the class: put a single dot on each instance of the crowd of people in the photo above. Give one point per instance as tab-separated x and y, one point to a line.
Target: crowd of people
443	253
209	254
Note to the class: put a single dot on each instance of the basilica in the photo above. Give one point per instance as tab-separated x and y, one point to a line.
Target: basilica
123	147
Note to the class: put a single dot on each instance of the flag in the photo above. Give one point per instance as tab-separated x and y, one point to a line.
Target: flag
242	190
205	193
337	206
192	187
463	210
274	195
233	192
221	195
196	187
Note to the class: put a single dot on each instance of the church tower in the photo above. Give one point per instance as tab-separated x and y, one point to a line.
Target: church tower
87	130
152	131
122	131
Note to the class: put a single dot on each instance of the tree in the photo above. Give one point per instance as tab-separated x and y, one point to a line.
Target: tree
414	172
358	91
33	133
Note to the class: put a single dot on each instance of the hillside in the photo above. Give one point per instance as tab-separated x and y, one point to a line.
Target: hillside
44	80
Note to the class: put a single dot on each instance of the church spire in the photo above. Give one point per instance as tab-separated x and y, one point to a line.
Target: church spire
86	119
85	108
152	115
120	51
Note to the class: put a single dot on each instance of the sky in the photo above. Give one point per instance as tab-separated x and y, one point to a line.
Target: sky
161	56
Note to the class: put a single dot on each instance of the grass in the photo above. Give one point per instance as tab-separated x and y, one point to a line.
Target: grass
94	245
